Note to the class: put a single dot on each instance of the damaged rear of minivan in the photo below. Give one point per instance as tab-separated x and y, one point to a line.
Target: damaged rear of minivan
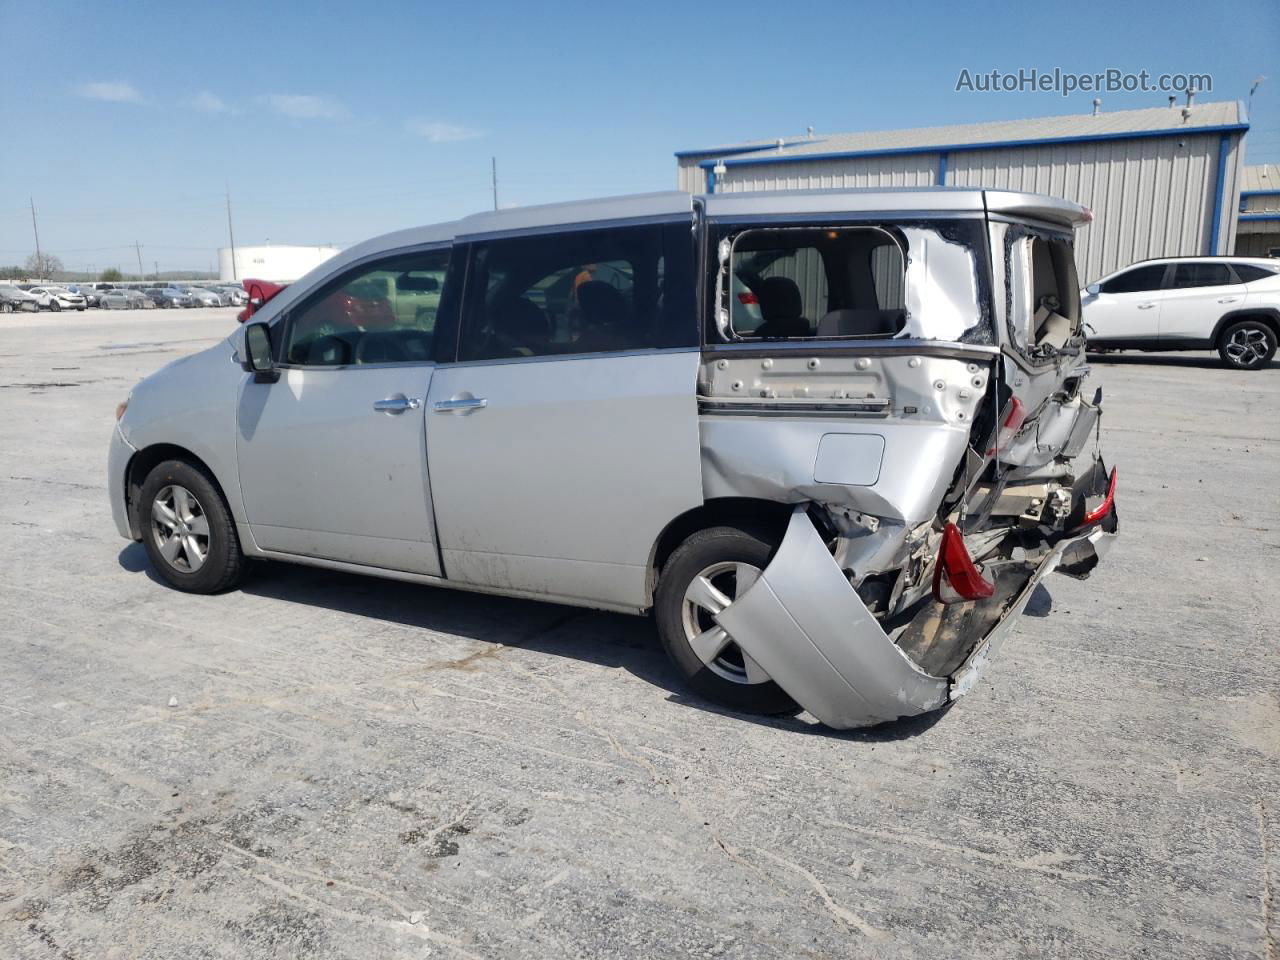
899	391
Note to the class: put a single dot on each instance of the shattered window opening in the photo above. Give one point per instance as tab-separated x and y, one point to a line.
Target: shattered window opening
864	282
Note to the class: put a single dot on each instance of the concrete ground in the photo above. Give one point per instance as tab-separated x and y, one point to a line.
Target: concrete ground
366	769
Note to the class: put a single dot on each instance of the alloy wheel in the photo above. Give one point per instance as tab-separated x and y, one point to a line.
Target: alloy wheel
1248	346
710	593
180	528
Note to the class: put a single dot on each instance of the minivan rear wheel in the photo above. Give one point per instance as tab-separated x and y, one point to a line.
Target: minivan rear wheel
187	529
1247	345
704	575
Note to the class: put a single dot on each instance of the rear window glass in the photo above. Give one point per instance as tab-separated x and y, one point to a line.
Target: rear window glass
851	282
1201	275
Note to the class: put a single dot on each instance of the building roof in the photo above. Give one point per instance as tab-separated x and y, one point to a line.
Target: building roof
1202	117
1261	178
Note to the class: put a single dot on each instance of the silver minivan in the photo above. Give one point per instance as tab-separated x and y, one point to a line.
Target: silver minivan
832	440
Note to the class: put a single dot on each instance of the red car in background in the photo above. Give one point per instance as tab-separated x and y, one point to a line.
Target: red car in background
260	291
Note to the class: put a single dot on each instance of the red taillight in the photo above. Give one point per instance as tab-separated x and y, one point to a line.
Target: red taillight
1093	516
1014	414
748	298
955	576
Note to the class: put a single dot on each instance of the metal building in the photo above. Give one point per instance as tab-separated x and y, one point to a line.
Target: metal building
1163	181
279	263
1258	234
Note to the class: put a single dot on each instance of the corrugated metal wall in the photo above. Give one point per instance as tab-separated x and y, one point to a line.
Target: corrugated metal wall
689	176
909	170
1151	197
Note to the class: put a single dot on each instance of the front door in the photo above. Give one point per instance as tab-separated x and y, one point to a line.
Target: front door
333	456
566	438
1128	306
1201	292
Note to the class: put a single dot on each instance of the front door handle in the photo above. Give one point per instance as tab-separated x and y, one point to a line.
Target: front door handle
1228	299
1145	306
460	403
397	404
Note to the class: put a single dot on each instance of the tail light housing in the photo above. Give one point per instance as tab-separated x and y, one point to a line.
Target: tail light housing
1102	509
956	578
1011	421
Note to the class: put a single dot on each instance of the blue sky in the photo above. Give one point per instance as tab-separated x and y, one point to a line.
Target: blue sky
332	122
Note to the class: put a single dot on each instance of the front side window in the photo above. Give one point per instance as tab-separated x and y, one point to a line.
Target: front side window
1137	280
382	312
580	291
1197	274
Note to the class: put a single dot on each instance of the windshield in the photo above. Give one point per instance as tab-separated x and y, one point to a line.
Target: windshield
901	280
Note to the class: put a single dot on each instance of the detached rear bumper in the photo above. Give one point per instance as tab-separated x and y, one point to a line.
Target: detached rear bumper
806	626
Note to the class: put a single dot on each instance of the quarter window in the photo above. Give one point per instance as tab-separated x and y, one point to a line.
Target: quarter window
589	291
383	312
1248	272
1202	275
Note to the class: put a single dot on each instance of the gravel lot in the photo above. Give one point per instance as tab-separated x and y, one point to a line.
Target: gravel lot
365	769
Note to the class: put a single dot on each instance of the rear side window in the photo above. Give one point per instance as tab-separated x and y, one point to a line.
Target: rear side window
1201	275
804	282
580	291
382	312
1137	280
1248	272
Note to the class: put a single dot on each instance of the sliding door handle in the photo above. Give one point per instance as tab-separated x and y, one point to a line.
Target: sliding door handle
460	403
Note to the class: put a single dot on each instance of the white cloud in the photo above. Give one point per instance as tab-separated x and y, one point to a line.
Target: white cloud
306	106
438	132
112	92
210	103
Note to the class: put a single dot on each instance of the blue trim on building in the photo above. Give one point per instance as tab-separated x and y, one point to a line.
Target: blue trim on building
1259	193
727	151
1259	216
987	145
1220	186
941	181
711	180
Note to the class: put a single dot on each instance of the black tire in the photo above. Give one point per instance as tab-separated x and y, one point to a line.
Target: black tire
224	562
54	305
1247	345
7	307
699	552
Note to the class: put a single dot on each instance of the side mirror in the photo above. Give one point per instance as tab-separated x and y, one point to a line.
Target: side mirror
257	354
1093	289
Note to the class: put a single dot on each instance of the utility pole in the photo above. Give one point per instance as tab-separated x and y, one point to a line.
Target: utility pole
156	264
36	230
232	235
138	247
494	161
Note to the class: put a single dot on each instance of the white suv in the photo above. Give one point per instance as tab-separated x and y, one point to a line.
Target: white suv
1228	304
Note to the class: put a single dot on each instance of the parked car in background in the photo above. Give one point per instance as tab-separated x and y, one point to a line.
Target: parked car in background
85	290
124	299
14	299
841	500
168	297
202	297
1228	304
58	298
232	296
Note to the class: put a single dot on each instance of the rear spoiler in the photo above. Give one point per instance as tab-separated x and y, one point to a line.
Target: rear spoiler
1038	207
260	291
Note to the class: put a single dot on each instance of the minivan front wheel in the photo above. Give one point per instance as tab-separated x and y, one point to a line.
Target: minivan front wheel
187	529
1247	345
704	576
